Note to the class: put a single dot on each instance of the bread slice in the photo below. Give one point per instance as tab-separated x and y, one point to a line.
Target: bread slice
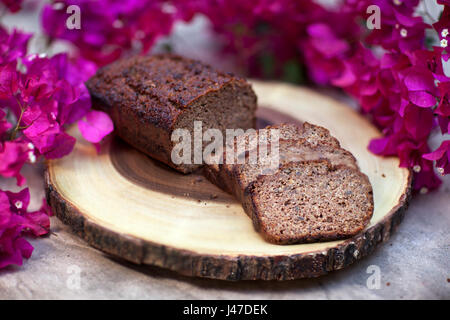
309	142
291	151
310	148
149	97
309	201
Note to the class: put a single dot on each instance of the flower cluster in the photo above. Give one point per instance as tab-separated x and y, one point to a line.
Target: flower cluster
15	222
12	5
110	28
397	79
39	97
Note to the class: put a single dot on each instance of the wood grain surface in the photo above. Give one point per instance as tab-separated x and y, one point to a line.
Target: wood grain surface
128	205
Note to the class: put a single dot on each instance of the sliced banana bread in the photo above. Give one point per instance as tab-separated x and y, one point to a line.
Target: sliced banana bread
148	97
309	142
310	148
309	201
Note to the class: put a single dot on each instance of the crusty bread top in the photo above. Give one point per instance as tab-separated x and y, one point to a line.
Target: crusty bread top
161	80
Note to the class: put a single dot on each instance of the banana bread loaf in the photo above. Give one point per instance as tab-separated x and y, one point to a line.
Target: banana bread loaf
148	97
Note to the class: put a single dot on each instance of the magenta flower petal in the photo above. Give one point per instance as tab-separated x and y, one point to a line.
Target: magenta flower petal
12	5
25	248
419	79
15	222
97	125
418	121
13	257
12	246
37	223
13	45
13	156
426	180
346	79
61	145
9	80
19	201
442	157
42	132
439	152
379	145
422	99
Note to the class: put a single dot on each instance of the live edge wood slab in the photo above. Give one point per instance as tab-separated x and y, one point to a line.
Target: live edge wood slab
125	204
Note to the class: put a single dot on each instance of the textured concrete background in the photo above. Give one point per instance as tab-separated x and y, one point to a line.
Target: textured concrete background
414	263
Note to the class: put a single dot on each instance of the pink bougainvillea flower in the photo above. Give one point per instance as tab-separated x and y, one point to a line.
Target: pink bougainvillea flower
40	97
9	80
419	79
61	145
110	26
325	42
42	131
431	60
35	223
96	126
400	29
15	221
55	77
12	5
443	109
326	50
410	154
13	156
12	45
418	122
442	157
442	26
18	201
425	181
13	247
51	97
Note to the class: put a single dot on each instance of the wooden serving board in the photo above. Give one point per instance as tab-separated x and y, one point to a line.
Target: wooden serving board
130	206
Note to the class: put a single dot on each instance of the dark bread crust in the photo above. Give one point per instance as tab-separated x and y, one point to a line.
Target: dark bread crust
146	97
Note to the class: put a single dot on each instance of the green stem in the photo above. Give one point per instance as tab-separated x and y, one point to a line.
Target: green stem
17	127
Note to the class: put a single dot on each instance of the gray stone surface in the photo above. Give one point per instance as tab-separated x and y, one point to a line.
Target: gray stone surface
413	264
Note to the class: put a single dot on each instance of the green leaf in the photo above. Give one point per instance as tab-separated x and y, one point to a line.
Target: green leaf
293	72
